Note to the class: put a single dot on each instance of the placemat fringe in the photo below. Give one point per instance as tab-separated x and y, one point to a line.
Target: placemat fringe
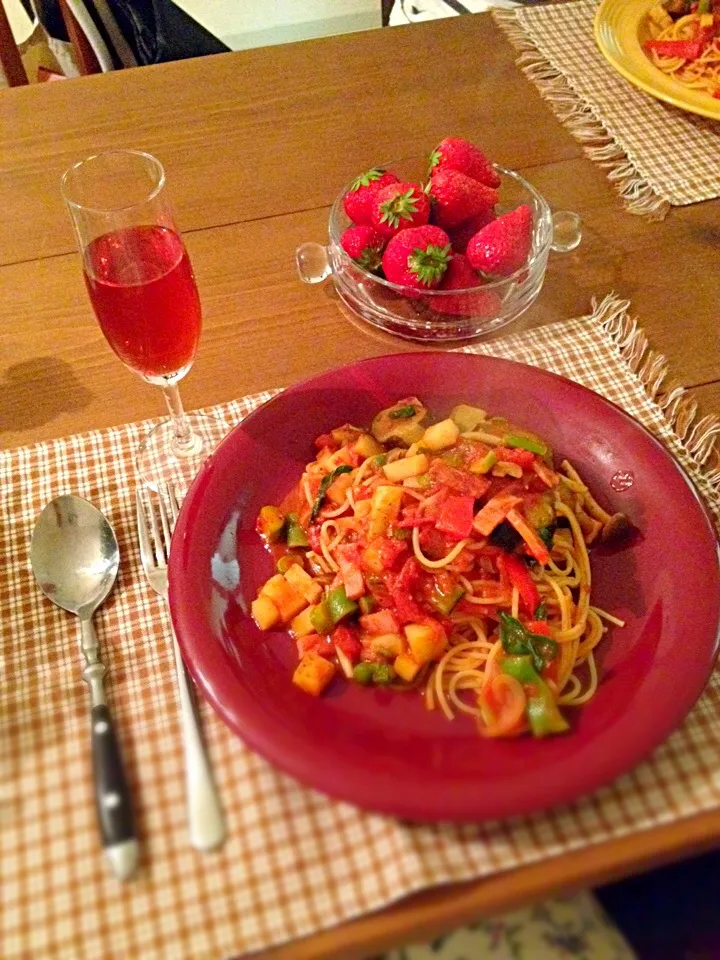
598	144
699	435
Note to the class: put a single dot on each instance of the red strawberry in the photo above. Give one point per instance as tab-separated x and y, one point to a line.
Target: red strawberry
364	245
460	236
461	276
359	197
417	257
398	206
454	153
503	246
457	198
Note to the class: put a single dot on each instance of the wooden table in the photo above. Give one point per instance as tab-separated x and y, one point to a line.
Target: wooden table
256	146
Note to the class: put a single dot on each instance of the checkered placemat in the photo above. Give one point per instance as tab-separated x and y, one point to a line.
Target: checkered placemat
295	861
657	155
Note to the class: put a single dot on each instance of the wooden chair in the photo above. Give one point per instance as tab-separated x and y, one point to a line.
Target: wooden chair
10	58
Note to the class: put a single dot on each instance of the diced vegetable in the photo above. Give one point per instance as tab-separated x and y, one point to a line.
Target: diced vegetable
467	417
385	508
440	435
316	643
494	512
363	673
302	625
542	710
388	645
444	603
519	576
427	641
313	673
337	491
321	618
367	603
504	469
378	623
347	640
286	597
323	488
301	579
339	605
367	446
456	516
537	548
406	668
525	442
484	464
406	467
264	612
270	523
296	536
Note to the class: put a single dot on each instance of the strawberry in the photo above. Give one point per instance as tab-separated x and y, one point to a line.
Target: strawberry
503	246
398	206
454	153
359	197
417	257
460	236
456	197
364	245
461	276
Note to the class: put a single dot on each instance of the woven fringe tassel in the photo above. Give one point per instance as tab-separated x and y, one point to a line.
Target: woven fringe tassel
699	435
637	194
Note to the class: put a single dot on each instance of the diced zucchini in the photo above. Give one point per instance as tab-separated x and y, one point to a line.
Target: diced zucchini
467	417
388	645
406	668
264	613
367	446
427	641
301	579
484	464
313	673
406	467
271	523
302	625
441	435
337	491
384	510
286	597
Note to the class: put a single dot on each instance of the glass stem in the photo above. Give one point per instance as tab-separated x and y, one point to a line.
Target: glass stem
183	441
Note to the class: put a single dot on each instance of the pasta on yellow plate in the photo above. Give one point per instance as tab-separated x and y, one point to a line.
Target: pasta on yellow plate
685	42
448	558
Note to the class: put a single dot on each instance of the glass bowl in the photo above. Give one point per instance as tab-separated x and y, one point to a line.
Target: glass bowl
432	316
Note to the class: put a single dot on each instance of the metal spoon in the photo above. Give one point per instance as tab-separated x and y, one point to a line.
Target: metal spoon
75	558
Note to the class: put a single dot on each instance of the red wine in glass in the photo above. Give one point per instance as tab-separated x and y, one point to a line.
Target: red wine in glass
145	298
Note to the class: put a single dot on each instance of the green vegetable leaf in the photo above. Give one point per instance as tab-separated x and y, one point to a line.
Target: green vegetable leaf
540	612
402	413
323	489
517	641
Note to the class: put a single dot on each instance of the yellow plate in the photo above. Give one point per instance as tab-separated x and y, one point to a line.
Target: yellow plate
620	30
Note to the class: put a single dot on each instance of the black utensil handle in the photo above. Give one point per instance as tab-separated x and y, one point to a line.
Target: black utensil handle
112	796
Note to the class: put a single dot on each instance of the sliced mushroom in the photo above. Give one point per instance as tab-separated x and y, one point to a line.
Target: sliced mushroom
616	528
400	423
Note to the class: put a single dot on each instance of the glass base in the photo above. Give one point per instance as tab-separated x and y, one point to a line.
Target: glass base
161	459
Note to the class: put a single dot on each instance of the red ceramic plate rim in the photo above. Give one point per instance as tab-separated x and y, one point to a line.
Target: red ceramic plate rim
205	661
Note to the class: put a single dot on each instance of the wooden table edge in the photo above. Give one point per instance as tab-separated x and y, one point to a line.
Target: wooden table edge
424	915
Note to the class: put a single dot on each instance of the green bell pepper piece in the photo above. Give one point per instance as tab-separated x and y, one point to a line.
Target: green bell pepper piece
321	618
526	443
445	602
542	711
486	464
339	605
295	536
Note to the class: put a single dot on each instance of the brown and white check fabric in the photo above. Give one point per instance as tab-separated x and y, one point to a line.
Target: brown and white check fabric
295	861
649	146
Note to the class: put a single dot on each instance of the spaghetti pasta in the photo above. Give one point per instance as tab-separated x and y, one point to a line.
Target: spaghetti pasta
685	43
454	563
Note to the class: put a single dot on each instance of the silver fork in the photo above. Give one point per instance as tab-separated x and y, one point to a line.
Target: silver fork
205	816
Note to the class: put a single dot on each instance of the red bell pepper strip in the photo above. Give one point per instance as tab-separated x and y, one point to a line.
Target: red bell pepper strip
456	516
537	548
685	49
519	576
524	458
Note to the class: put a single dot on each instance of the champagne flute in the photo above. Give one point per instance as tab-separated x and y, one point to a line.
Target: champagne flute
143	291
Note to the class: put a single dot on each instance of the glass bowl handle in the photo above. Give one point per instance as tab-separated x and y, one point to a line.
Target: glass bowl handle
312	262
567	231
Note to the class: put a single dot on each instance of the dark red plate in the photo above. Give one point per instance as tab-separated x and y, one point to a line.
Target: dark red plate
380	749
